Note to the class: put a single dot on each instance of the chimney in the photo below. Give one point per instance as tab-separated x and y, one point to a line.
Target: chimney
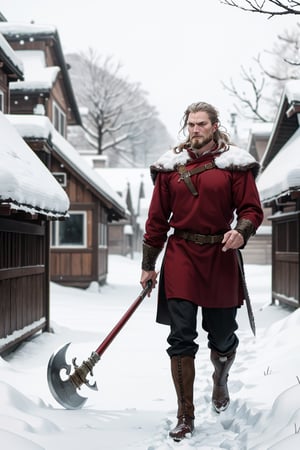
100	161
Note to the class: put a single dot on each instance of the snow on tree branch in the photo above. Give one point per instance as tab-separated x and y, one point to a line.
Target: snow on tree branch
118	111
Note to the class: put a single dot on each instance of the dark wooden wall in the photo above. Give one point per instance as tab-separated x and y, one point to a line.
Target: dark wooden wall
79	267
24	276
285	258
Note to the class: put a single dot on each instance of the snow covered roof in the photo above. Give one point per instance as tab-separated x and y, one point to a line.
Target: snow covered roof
32	32
25	182
119	178
261	128
44	82
18	30
40	127
12	59
122	178
259	134
292	91
37	75
285	124
282	175
281	161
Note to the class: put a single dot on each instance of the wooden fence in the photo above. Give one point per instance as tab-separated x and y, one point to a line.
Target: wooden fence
24	280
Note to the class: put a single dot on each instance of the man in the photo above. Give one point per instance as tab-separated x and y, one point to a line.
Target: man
205	190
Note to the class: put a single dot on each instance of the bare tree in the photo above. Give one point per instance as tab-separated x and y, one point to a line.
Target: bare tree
250	96
284	65
269	7
266	77
118	112
285	54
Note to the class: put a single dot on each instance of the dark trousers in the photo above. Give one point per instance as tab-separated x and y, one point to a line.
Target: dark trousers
219	323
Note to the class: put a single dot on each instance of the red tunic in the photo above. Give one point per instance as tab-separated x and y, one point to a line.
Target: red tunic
202	274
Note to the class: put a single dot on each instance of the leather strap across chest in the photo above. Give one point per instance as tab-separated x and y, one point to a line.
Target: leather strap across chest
185	174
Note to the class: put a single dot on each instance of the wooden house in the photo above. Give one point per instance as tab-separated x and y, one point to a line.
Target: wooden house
259	248
11	69
279	187
135	186
30	199
42	107
79	245
46	89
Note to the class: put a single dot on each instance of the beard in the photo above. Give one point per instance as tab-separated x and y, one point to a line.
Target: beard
198	142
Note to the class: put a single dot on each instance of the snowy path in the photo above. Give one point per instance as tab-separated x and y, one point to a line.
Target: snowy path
135	406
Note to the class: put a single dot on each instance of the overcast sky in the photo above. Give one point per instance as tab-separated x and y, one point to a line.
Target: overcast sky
179	50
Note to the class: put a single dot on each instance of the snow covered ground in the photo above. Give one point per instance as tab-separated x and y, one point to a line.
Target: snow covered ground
135	406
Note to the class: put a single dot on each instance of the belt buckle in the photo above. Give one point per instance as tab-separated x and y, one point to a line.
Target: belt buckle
199	239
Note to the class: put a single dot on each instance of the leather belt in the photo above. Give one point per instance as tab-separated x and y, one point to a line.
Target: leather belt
199	238
185	174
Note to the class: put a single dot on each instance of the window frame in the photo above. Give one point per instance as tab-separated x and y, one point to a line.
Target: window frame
56	228
102	235
59	119
2	100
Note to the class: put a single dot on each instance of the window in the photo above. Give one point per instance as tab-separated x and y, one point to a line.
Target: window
1	101
61	178
59	119
102	235
70	232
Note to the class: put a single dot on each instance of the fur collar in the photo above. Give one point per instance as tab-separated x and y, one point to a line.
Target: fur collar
233	158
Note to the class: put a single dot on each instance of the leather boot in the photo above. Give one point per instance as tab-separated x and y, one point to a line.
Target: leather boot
183	374
222	363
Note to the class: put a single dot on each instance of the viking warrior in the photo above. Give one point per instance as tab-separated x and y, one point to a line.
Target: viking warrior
204	208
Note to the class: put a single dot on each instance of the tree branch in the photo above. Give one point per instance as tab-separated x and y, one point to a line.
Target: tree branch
244	98
262	7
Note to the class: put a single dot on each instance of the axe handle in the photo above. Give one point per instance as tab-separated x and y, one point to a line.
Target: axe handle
117	328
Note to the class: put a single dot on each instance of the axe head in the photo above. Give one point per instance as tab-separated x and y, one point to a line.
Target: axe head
64	391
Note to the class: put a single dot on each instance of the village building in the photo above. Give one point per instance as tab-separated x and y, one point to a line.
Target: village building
43	106
135	186
54	209
79	245
279	187
30	199
259	248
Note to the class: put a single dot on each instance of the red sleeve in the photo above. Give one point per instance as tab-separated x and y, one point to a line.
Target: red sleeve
246	198
157	224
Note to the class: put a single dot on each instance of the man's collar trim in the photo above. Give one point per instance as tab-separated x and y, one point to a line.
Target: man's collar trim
231	158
